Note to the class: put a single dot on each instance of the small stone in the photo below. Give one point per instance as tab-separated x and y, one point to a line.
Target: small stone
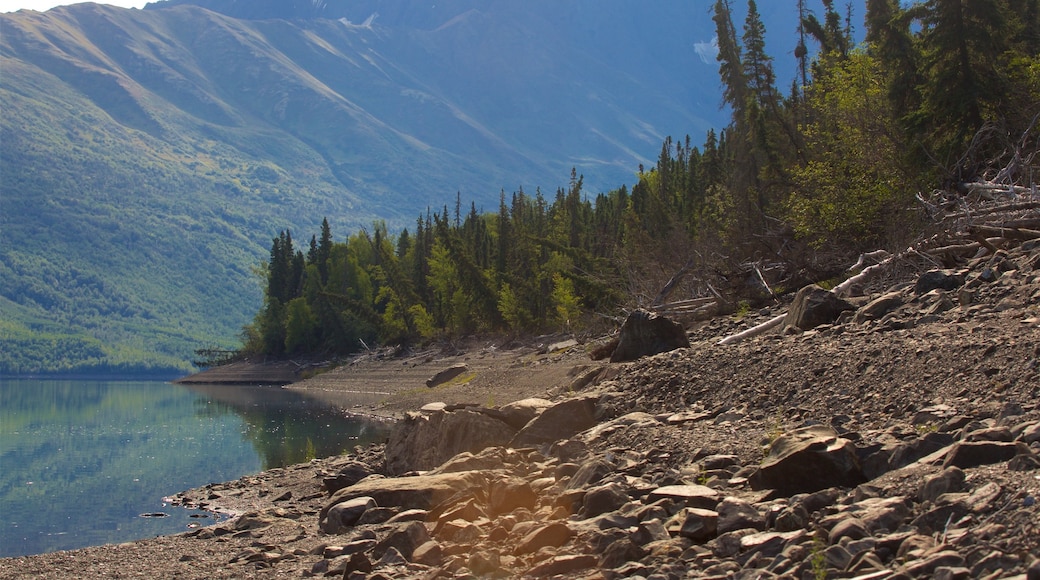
952	573
552	535
852	528
562	565
737	514
925	567
949	480
694	496
699	525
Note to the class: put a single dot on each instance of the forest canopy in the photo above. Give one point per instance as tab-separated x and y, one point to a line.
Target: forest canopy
941	93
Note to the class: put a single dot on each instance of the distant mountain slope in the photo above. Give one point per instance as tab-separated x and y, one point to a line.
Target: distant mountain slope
148	156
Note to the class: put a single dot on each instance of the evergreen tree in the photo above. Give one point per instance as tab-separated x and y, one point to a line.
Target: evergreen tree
962	42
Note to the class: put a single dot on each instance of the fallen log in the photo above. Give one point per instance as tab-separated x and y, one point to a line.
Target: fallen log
1003	232
839	290
754	330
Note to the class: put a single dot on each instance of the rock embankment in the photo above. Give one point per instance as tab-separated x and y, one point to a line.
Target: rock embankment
896	438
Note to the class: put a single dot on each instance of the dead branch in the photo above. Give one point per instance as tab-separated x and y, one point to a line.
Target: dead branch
753	331
1009	207
1001	232
873	257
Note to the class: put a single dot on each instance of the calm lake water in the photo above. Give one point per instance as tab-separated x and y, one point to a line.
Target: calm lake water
82	462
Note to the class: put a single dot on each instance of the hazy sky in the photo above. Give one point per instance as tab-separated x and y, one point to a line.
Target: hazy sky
41	5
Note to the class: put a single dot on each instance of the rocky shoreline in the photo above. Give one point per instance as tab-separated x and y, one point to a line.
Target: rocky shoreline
899	439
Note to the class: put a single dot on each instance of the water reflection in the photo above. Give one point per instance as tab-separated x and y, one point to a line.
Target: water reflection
81	461
287	427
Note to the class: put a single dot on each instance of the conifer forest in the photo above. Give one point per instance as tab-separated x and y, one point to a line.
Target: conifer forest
849	158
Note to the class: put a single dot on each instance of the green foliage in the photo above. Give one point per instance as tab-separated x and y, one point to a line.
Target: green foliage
850	187
300	326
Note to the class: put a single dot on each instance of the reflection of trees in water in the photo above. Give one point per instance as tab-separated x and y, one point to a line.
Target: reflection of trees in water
52	397
286	427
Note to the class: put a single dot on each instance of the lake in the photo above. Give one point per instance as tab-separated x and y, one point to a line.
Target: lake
87	462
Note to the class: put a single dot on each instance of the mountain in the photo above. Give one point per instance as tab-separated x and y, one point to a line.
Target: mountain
147	157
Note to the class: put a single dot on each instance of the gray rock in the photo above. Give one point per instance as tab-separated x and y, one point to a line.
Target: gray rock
404	539
925	567
693	496
558	565
950	480
428	554
446	375
348	474
852	528
699	525
509	494
417	492
603	499
967	454
552	535
809	459
619	552
737	514
422	441
813	306
879	307
561	421
346	514
519	413
938	280
645	333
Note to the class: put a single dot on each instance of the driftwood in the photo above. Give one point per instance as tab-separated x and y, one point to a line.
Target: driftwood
754	330
1003	208
869	272
839	290
1003	232
672	283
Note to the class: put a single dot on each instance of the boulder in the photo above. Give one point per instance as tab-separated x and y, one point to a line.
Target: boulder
879	307
424	441
951	480
346	514
561	421
603	499
446	375
404	539
560	565
699	525
967	454
348	474
645	333
938	280
552	535
416	492
809	459
737	514
813	306
510	494
519	413
692	496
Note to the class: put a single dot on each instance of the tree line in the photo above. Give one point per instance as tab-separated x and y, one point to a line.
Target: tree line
941	92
